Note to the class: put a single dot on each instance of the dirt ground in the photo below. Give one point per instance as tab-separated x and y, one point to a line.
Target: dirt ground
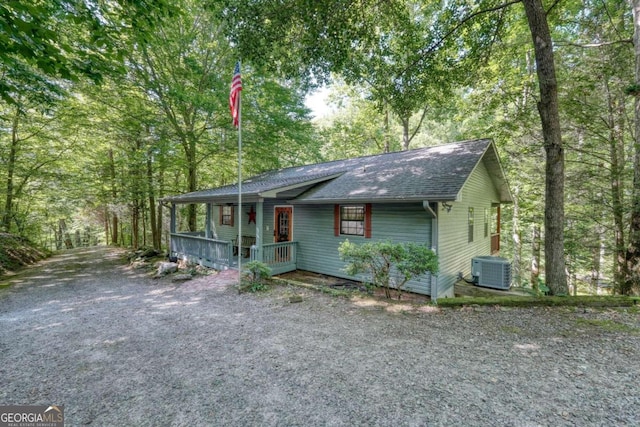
118	348
330	282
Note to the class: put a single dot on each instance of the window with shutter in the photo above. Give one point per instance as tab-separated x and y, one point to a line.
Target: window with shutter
352	220
226	215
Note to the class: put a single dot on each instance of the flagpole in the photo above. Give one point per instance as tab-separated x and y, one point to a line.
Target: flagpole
235	100
239	188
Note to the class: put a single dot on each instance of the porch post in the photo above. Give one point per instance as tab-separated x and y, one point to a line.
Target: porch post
259	229
172	226
207	226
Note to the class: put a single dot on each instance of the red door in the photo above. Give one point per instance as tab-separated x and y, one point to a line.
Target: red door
283	231
283	225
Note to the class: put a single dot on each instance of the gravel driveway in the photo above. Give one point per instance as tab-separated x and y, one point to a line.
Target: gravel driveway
118	348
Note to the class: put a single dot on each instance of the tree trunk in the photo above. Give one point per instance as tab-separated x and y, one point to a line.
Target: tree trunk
58	236
62	226
11	167
114	229
632	282
535	257
152	203
144	224
517	239
405	133
107	232
616	159
596	260
136	174
135	224
159	222
548	109
192	184
407	137
387	136
114	195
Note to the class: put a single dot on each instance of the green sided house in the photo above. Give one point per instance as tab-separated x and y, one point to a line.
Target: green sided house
447	197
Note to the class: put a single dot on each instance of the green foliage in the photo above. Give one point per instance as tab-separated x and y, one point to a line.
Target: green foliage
389	265
16	252
47	42
254	276
104	156
392	49
633	90
542	288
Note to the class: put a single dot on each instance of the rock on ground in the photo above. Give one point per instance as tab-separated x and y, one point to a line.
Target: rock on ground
165	268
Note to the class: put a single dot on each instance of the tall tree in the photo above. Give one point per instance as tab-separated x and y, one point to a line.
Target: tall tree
180	66
596	65
554	167
35	142
633	251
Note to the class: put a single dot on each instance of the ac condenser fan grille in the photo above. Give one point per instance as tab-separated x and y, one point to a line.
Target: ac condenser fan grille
492	272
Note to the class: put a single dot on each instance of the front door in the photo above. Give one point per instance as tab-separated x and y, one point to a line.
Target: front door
283	231
282	228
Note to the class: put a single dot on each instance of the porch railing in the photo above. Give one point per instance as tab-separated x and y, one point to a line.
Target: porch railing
218	254
280	257
212	253
495	243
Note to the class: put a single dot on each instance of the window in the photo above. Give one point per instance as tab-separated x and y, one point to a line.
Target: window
352	220
226	215
486	222
470	225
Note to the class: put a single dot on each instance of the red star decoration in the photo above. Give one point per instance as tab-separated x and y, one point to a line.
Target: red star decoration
252	215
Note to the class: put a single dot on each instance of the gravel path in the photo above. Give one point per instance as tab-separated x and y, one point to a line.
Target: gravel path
118	348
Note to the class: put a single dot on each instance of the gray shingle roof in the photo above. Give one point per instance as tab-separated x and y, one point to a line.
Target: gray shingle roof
432	173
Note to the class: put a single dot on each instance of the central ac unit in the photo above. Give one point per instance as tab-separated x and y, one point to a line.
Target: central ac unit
491	272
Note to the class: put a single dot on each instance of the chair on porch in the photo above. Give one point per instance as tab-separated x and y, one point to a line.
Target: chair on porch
243	243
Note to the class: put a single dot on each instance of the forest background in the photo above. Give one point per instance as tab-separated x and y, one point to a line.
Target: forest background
108	106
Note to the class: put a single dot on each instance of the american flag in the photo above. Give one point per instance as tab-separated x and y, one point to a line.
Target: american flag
234	96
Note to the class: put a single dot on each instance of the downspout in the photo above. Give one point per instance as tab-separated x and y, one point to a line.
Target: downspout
434	244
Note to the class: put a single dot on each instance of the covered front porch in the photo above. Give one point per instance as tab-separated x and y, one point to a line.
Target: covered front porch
225	241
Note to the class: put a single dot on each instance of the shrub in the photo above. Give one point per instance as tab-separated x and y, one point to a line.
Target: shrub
389	265
255	275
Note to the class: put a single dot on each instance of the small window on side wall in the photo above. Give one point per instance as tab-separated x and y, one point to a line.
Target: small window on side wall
470	222
352	220
226	215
